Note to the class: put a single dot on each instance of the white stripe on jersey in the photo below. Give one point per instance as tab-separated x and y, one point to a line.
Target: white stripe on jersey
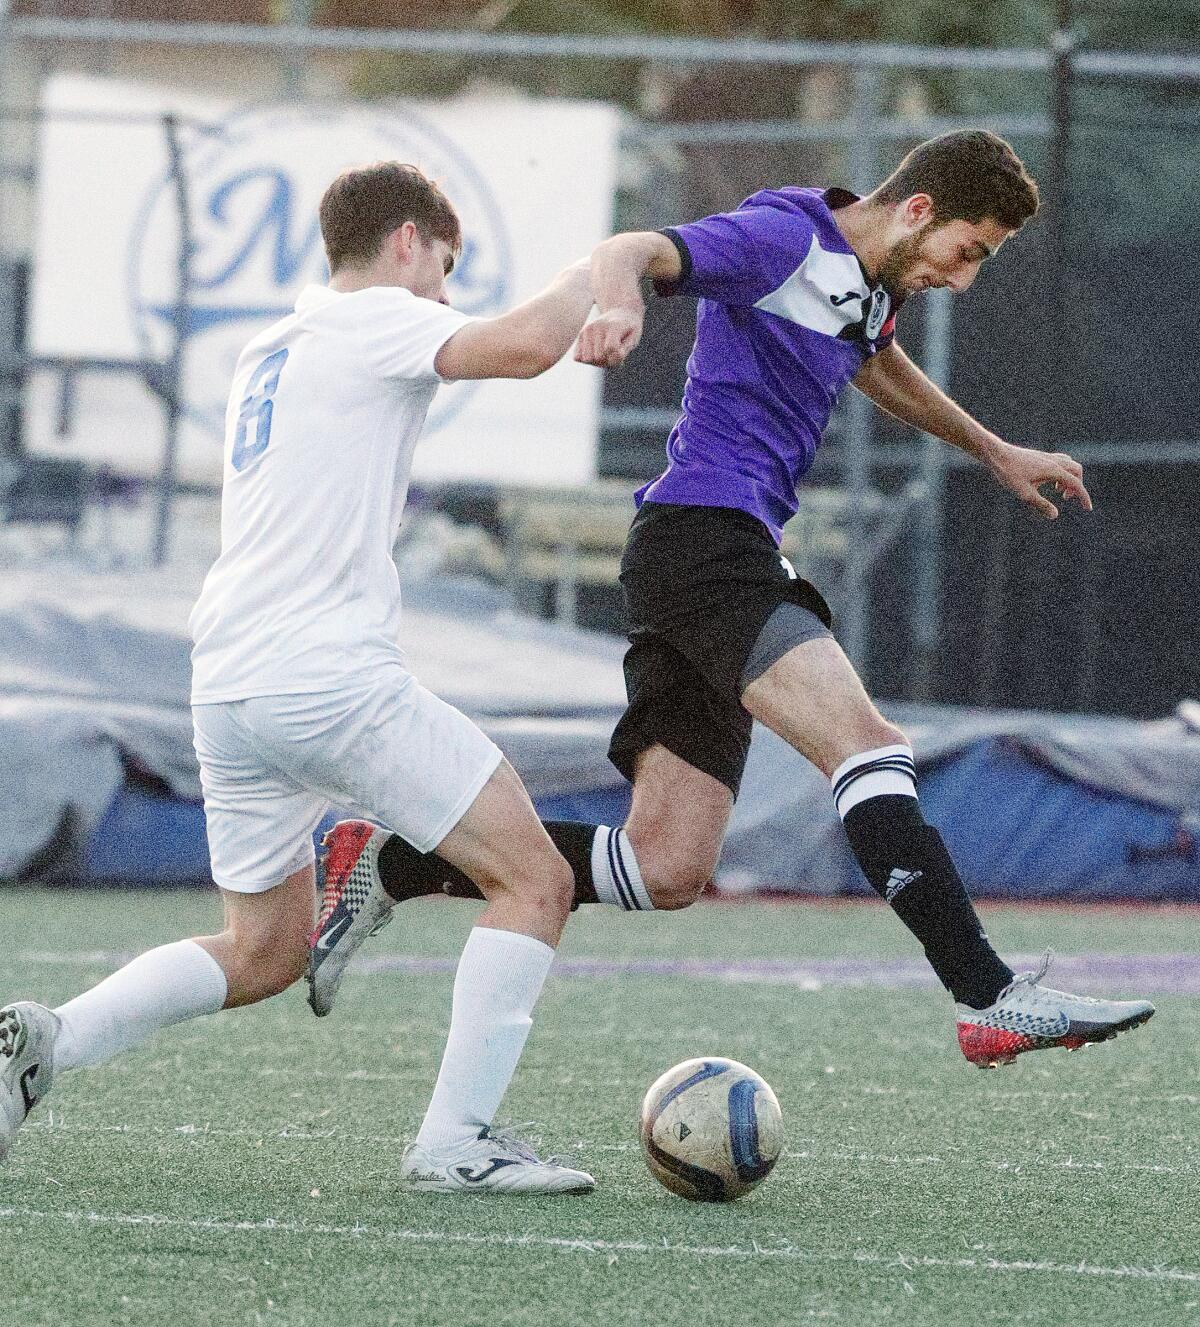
826	293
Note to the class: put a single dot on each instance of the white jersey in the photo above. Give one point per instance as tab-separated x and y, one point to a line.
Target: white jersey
323	417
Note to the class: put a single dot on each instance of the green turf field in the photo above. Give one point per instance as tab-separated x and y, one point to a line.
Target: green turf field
240	1169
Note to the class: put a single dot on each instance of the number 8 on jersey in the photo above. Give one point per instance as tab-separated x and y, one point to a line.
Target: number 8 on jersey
257	406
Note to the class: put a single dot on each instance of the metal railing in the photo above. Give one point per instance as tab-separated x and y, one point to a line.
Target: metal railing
861	127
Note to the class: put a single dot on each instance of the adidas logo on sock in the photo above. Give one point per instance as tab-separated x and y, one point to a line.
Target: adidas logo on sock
899	877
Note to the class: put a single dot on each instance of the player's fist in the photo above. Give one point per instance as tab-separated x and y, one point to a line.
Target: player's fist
1025	472
610	339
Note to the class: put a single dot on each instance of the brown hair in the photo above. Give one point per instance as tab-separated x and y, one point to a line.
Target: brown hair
968	175
365	204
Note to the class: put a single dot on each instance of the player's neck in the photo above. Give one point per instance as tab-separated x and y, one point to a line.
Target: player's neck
346	280
864	226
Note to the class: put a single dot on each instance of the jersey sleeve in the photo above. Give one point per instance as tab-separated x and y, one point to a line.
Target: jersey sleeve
738	257
402	334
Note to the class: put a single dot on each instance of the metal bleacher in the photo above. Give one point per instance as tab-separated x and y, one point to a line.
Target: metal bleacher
572	538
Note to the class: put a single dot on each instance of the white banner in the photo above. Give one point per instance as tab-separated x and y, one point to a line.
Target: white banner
532	181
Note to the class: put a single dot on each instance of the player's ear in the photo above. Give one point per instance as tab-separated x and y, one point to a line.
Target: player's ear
917	211
402	243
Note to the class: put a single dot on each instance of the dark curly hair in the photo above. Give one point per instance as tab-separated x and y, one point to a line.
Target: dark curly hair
364	205
968	175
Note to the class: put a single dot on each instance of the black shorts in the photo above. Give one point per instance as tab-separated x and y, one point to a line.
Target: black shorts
700	584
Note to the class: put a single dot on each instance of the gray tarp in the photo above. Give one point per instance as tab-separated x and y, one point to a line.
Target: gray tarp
94	672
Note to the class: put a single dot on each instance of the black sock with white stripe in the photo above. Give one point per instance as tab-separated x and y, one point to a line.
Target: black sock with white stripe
601	859
907	863
616	877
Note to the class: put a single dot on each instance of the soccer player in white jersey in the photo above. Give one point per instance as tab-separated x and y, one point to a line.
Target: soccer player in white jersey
301	697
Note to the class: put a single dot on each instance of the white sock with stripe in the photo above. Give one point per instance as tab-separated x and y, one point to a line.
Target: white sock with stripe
615	874
888	771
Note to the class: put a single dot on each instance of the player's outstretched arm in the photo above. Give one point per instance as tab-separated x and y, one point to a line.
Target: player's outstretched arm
618	266
527	340
898	386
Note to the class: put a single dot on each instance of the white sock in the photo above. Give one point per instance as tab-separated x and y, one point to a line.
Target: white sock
615	874
886	771
160	987
500	977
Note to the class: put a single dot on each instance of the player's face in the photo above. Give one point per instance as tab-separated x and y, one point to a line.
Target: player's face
941	255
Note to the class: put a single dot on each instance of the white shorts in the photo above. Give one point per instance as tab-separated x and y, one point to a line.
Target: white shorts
272	766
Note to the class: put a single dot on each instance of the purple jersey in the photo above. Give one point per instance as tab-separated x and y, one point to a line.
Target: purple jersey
787	317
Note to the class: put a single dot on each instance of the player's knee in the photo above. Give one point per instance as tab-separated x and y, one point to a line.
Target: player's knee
871	732
880	732
544	883
675	881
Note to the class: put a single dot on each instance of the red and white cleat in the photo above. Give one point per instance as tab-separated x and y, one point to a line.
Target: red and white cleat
1030	1017
354	906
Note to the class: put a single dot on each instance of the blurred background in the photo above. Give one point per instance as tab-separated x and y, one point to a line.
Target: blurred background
159	176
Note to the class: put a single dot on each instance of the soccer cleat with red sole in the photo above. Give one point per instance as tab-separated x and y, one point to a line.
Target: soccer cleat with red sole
354	905
1030	1017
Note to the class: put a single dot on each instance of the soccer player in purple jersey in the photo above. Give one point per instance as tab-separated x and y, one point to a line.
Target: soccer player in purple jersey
798	293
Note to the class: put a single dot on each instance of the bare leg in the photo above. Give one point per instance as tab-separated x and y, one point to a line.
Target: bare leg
501	845
676	824
263	948
814	700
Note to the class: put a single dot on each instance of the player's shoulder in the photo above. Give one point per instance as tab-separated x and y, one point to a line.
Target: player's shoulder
789	203
350	307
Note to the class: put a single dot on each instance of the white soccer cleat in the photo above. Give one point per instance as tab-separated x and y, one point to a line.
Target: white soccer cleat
27	1034
1030	1017
354	906
492	1163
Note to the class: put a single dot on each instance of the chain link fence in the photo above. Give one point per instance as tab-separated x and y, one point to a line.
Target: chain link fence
1078	337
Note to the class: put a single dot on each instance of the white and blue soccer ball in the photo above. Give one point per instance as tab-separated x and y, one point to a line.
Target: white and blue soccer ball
711	1129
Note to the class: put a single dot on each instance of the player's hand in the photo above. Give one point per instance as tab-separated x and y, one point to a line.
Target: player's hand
1025	472
610	339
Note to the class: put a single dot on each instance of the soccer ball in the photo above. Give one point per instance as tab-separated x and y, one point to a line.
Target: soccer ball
711	1130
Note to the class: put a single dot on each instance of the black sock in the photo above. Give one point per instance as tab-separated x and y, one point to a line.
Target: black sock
408	874
908	865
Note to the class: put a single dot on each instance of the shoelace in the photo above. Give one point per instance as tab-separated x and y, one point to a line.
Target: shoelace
1027	978
1032	979
506	1140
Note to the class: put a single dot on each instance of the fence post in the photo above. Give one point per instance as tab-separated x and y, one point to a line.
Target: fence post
857	463
930	524
173	385
296	14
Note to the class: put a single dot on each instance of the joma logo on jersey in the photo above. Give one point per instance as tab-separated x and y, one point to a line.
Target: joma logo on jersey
255	181
877	313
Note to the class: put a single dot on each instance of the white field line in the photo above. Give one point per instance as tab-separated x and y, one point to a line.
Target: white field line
428	1064
898	1261
834	1156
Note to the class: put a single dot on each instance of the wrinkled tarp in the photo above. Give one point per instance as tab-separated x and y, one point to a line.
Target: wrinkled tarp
94	676
95	672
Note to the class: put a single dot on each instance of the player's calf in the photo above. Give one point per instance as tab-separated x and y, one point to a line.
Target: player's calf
257	970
